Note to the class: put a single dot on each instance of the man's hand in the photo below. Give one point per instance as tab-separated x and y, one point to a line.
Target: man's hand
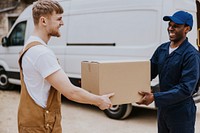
105	101
147	98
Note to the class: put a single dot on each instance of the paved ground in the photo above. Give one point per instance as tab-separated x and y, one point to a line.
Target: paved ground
79	118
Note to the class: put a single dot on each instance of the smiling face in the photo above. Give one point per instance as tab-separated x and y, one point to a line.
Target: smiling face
177	32
54	22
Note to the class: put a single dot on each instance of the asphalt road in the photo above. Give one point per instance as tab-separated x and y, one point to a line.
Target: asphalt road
80	118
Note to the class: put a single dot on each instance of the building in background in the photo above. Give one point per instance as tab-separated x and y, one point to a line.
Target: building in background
9	11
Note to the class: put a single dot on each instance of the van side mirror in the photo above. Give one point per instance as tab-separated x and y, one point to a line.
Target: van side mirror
4	41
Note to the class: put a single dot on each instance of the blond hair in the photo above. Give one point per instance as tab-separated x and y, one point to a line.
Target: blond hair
45	8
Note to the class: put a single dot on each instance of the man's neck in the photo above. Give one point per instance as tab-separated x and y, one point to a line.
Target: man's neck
41	35
176	44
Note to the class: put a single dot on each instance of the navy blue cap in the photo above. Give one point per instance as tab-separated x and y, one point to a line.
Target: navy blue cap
180	17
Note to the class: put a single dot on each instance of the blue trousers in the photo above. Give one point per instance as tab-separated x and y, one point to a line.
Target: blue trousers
179	118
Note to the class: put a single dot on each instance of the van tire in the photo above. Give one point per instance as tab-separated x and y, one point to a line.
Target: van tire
4	83
119	111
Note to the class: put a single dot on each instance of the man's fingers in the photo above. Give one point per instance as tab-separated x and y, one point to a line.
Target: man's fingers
139	102
141	93
110	95
142	100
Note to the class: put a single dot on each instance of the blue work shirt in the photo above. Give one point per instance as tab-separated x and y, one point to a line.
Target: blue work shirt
179	73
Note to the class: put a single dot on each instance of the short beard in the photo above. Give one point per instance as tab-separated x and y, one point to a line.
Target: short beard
55	34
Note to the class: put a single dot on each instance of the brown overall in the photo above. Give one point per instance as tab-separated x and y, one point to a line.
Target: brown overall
31	117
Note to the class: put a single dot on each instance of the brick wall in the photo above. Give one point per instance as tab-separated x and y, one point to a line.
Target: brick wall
3	28
4	24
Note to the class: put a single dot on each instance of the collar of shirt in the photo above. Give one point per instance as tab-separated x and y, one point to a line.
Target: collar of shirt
180	49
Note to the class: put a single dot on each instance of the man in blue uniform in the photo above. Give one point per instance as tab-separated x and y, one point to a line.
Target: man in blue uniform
177	63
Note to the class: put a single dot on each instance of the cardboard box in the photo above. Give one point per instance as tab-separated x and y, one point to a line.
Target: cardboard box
124	78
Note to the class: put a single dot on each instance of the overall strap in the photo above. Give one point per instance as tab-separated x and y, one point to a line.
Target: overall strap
23	51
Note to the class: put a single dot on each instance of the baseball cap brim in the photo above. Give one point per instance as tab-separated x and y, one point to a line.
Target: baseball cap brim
175	20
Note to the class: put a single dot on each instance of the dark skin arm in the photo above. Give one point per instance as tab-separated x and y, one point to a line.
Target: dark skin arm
147	98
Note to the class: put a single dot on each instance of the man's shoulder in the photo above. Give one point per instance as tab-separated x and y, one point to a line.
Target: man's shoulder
164	46
38	50
34	39
191	49
191	52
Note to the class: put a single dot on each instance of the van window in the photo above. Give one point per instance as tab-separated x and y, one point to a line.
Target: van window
17	36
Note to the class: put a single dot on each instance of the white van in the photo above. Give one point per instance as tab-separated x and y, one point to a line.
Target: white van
99	30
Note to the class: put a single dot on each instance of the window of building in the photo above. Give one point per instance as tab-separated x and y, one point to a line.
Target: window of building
11	21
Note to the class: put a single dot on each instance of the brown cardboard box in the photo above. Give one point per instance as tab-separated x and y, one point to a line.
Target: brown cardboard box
124	78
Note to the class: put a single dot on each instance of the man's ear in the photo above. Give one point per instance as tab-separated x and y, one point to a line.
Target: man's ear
43	21
187	29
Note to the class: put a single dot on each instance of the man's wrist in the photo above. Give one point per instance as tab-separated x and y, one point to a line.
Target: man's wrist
152	97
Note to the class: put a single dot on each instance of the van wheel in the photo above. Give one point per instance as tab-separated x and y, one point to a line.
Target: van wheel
119	111
4	83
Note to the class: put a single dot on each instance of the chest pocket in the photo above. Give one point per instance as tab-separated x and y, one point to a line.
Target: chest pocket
175	63
172	67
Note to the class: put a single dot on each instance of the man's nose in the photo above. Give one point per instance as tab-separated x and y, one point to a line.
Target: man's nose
170	28
61	23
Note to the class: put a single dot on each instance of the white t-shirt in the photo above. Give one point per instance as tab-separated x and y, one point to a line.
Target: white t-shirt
38	63
172	49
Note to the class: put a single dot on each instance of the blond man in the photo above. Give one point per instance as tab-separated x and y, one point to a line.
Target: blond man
42	78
